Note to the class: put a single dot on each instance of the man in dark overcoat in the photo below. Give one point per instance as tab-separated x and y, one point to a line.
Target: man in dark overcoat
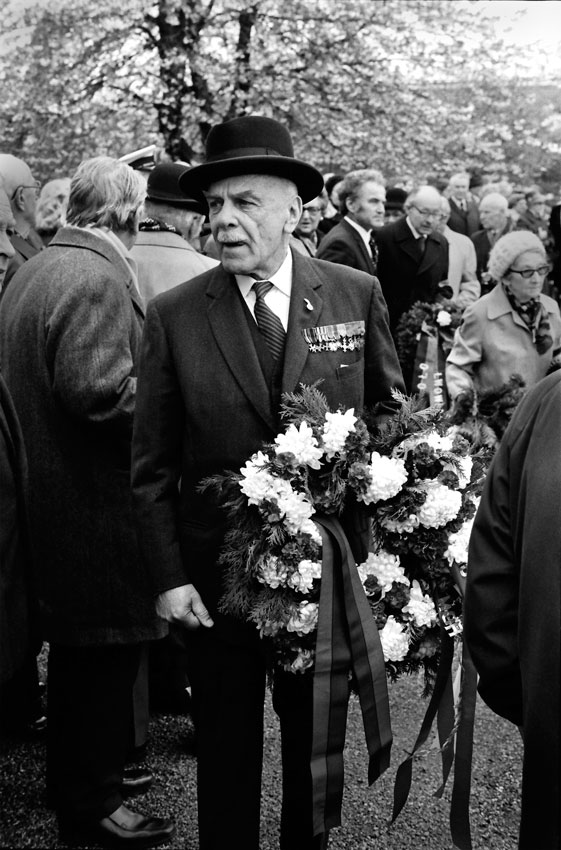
513	601
70	327
209	393
412	257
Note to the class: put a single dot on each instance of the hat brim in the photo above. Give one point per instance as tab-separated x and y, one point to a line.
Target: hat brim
308	180
188	203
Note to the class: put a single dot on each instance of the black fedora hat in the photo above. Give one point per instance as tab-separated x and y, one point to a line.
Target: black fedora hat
252	145
163	185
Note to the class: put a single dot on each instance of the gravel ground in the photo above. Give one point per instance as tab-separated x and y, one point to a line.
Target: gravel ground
423	824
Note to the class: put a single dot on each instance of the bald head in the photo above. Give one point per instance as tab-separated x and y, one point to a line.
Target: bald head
15	172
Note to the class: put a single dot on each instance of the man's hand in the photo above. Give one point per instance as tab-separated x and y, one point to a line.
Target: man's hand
183	605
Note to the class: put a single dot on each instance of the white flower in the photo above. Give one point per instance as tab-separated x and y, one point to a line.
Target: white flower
458	543
272	572
303	578
294	507
303	661
387	477
395	643
437	442
337	428
420	606
303	619
258	483
443	318
300	442
441	505
385	567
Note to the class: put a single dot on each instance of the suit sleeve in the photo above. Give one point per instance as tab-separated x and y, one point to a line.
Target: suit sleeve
336	251
382	369
466	354
156	457
491	602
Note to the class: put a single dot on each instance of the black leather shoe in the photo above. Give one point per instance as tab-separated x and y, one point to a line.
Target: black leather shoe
136	780
119	830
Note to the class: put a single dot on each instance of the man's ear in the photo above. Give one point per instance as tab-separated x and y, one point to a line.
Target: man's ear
294	213
17	200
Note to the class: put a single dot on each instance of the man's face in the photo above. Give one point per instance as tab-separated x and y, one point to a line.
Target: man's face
492	216
367	208
424	213
310	218
251	218
459	187
7	227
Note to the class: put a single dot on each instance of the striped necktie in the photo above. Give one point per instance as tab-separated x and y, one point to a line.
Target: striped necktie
268	322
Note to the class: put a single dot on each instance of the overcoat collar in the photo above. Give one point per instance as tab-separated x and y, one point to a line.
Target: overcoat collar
407	242
26	248
80	237
498	305
233	337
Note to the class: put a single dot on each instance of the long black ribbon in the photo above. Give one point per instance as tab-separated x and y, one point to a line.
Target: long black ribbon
347	639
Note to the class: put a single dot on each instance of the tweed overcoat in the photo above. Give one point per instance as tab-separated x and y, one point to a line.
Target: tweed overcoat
513	600
70	327
204	405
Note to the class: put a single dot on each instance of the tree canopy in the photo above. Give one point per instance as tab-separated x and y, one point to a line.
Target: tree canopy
408	86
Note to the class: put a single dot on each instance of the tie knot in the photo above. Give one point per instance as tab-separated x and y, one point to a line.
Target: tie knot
261	288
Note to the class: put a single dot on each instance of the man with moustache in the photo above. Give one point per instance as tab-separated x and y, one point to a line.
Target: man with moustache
218	352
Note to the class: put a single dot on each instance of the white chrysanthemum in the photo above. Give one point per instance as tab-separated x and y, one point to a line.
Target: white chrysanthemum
387	477
303	661
458	543
294	507
303	578
405	526
420	606
258	484
272	572
300	442
303	619
337	428
443	318
385	567
437	442
394	639
441	505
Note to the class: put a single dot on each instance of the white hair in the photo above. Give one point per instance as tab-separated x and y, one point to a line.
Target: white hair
107	193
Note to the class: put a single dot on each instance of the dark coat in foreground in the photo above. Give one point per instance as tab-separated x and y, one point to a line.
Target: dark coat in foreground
70	326
513	601
405	276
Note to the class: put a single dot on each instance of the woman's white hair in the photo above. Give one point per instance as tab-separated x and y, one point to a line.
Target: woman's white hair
107	193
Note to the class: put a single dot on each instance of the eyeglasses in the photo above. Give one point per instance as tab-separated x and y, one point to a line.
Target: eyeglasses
36	185
427	213
311	210
528	273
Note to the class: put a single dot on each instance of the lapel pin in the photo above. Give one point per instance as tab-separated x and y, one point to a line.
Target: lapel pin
308	304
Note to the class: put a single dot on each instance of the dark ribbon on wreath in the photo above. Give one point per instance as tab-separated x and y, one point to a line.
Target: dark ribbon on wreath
347	641
430	360
441	705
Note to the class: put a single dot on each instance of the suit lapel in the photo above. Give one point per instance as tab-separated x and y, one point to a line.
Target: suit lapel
23	247
229	326
432	249
407	242
306	289
359	241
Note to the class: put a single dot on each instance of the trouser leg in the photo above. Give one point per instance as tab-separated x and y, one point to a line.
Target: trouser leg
89	704
228	693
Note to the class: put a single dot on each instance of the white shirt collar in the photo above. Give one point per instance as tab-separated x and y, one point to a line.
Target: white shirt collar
413	230
282	278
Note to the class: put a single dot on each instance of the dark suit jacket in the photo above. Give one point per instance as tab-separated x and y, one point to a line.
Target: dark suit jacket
204	406
464	221
513	600
405	277
483	248
343	244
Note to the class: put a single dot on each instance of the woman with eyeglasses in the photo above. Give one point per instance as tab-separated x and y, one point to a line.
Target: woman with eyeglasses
514	329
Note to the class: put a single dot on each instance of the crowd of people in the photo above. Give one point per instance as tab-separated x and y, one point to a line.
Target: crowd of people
151	317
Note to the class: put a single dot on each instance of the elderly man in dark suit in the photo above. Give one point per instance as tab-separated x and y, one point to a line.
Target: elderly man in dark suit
70	326
464	212
495	222
412	257
362	200
23	191
217	354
